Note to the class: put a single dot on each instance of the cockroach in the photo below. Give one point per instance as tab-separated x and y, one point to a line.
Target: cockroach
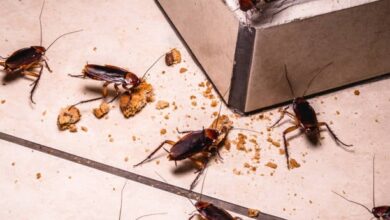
110	74
203	142
247	5
25	60
209	211
304	117
379	212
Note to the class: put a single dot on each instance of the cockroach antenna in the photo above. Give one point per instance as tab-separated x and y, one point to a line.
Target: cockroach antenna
352	201
155	62
120	208
288	80
40	22
62	35
315	76
152	214
373	180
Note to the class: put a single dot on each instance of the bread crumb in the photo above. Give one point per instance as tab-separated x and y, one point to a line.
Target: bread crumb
157	162
83	128
163	131
183	70
356	92
38	176
44	113
253	213
72	128
282	152
294	164
3	101
162	104
236	172
67	118
131	103
166	117
111	139
272	165
241	141
126	159
193	103
103	109
172	57
214	103
273	142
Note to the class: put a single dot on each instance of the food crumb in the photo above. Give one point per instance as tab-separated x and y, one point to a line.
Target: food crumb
253	213
163	131
214	103
193	103
273	142
13	163
67	118
272	165
241	141
103	109
294	164
282	152
126	159
131	103
111	139
157	162
356	92
3	101
83	128
172	57
162	104
38	176
73	128
183	70
236	172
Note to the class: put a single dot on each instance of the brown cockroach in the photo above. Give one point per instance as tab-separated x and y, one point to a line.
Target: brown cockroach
25	60
379	212
304	117
209	211
202	143
110	74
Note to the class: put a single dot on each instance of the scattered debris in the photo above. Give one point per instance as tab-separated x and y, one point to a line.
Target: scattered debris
356	92
294	164
173	57
67	118
103	109
38	176
131	103
162	104
3	101
241	141
273	142
272	165
183	70
163	131
83	128
253	213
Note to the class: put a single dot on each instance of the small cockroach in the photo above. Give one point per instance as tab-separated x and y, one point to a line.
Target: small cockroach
379	212
110	74
25	60
208	211
304	117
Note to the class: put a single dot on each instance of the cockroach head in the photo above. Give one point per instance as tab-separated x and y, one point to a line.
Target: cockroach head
39	49
380	212
132	79
200	205
211	133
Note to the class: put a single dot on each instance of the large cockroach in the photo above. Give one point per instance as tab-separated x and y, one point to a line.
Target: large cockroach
379	212
25	60
202	143
110	74
304	117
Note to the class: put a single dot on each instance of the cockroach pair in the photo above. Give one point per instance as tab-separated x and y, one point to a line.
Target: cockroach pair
379	212
110	74
26	60
304	117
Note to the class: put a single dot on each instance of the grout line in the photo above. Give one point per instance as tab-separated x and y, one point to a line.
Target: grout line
131	176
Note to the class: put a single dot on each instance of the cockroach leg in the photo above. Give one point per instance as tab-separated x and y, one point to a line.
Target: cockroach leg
29	73
288	130
196	215
333	134
284	111
105	90
77	76
35	85
86	101
2	63
115	97
47	66
155	151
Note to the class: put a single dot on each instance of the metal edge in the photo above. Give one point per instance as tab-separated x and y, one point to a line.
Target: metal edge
131	176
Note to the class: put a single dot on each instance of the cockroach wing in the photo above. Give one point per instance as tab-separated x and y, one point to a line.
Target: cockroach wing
190	144
305	113
212	212
22	57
